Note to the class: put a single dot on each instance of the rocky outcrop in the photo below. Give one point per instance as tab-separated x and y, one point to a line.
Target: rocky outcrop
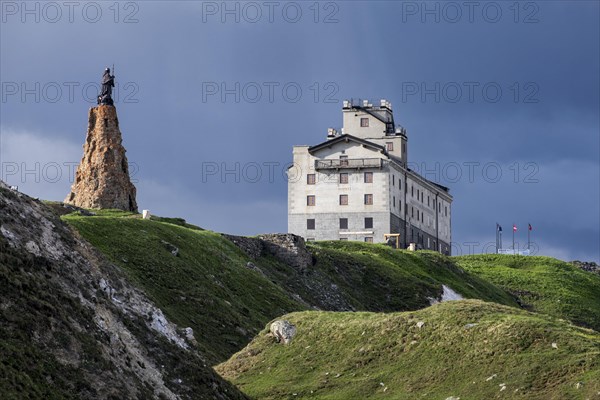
253	247
288	248
76	328
102	177
587	266
283	331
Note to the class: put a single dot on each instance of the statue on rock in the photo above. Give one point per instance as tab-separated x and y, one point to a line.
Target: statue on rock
108	82
102	179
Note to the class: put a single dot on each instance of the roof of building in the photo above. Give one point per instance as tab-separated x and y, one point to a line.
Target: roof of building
347	138
371	111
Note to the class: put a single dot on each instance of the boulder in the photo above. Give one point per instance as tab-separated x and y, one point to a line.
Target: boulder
283	331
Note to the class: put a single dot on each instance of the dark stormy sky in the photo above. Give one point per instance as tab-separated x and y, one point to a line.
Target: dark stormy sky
500	100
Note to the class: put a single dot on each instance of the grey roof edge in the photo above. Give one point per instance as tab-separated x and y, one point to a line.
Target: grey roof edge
345	138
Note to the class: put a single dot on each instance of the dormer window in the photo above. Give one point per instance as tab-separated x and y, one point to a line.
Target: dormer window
389	146
364	122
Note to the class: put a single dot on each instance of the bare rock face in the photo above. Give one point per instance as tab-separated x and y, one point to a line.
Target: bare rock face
288	248
102	178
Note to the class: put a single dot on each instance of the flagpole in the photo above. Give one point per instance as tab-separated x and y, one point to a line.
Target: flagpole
496	238
513	238
500	237
528	241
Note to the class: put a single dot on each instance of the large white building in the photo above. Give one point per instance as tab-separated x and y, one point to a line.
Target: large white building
356	186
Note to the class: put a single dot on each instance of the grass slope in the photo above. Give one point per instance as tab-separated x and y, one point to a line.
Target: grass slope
379	278
468	349
208	287
542	284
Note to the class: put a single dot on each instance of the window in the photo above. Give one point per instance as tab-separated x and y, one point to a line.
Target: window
412	212
343	199
446	210
369	223
412	191
399	184
418	218
311	179
344	177
427	201
364	122
394	202
310	224
343	223
417	194
310	200
368	199
369	239
400	205
343	161
368	177
310	239
389	146
343	238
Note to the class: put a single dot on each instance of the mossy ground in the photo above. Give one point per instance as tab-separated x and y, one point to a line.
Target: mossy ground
542	284
468	349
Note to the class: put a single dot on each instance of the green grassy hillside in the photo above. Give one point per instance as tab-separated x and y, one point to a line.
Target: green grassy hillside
542	284
394	280
468	349
208	287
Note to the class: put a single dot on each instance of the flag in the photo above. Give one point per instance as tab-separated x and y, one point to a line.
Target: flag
530	228
514	228
499	227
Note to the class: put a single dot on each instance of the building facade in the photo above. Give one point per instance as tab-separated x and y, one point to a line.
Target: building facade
357	186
